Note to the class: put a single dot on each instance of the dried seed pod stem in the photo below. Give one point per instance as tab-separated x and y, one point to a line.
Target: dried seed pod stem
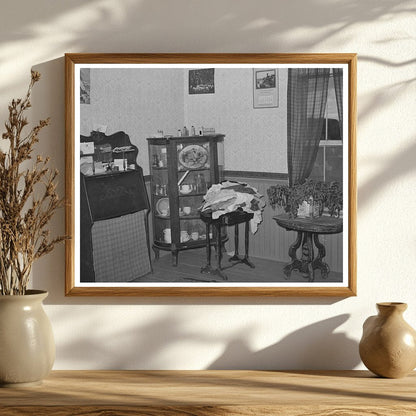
28	199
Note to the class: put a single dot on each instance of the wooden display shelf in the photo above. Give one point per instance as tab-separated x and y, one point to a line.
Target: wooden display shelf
210	393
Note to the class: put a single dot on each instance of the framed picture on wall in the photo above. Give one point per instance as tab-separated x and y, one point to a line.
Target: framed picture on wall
170	194
201	81
265	88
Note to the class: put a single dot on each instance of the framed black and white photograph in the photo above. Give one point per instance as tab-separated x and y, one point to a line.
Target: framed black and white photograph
265	88
170	193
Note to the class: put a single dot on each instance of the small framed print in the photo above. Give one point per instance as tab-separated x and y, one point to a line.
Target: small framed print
265	88
201	81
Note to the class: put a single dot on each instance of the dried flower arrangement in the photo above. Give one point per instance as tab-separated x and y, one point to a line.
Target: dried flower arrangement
28	199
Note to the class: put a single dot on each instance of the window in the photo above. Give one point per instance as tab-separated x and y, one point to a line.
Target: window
328	164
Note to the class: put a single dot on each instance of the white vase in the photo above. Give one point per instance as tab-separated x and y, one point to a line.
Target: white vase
27	347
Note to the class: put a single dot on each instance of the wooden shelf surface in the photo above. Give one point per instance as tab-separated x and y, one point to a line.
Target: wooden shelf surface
207	393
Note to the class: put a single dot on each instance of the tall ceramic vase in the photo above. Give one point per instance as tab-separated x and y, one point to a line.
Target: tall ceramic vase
388	345
27	347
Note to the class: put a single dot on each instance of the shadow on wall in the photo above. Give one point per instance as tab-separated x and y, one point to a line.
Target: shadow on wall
143	347
153	344
132	20
393	169
314	347
107	26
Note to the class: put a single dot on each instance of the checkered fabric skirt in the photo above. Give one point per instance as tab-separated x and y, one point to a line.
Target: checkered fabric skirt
120	248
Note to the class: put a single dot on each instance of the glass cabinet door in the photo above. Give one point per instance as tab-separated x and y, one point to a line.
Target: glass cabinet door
159	188
194	179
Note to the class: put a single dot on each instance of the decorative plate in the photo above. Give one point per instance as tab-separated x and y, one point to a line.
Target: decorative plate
193	157
162	205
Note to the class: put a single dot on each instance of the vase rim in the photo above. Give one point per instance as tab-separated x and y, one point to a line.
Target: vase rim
32	293
401	306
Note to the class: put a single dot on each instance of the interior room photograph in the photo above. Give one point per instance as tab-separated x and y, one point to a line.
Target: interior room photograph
207	208
192	137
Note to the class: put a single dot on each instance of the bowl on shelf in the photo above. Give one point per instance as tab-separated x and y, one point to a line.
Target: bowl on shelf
162	207
185	189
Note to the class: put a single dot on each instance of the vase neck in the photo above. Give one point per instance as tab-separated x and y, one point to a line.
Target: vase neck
390	308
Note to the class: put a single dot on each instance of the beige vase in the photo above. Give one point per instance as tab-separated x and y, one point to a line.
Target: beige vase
388	345
27	347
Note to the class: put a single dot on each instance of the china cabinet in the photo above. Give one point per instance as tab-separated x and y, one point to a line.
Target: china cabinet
182	169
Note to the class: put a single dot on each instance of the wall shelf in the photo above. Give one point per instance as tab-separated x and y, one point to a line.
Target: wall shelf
211	393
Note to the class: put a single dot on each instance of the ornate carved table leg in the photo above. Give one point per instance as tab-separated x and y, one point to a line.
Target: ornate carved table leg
295	263
307	256
318	263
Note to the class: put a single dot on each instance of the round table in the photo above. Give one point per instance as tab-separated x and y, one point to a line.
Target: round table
308	230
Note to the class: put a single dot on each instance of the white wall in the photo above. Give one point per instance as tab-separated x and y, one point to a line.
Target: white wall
142	111
256	138
197	333
158	99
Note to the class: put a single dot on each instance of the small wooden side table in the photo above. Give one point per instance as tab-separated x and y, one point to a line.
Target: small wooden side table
232	218
308	229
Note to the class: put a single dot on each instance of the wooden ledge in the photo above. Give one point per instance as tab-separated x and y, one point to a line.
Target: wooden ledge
208	393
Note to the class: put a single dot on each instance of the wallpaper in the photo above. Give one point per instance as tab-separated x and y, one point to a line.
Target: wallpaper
255	137
140	102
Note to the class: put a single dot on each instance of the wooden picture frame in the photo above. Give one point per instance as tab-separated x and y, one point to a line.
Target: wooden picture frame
248	163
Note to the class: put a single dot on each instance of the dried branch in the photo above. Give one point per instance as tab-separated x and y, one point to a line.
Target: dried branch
23	217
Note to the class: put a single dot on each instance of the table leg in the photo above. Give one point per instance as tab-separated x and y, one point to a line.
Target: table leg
157	253
236	258
236	238
208	268
219	253
295	263
318	263
175	257
307	256
246	241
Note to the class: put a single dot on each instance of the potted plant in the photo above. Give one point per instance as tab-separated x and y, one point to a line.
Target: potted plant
278	197
334	200
308	199
28	200
301	199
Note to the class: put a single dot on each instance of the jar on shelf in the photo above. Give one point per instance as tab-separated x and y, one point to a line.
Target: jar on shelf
163	156
201	186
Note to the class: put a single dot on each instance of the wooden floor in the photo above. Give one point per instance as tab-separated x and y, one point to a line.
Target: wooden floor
191	261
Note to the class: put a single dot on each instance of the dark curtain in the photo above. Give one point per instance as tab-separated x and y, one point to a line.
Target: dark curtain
338	94
306	101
